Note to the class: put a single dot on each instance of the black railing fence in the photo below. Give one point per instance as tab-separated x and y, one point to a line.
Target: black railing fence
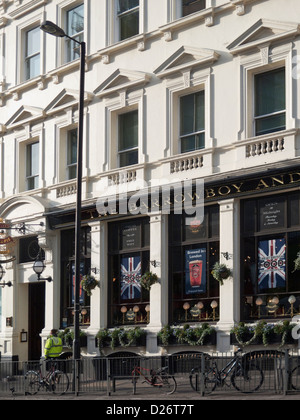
269	371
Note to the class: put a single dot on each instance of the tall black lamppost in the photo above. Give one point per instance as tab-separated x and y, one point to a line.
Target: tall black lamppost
52	29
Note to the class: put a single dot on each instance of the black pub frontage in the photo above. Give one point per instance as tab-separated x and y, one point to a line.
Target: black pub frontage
251	224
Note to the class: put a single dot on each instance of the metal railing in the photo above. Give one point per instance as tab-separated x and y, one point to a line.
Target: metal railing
113	375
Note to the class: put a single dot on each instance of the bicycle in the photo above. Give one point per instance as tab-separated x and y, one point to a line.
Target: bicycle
294	378
55	380
246	375
156	378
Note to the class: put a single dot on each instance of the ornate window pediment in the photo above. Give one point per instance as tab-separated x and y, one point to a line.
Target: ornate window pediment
186	58
24	115
66	99
264	32
122	80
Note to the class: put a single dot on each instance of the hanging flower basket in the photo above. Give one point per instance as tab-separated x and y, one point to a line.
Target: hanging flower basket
221	272
89	283
148	279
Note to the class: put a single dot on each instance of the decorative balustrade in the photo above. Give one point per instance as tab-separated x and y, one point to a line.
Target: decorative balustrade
186	164
263	147
122	177
66	190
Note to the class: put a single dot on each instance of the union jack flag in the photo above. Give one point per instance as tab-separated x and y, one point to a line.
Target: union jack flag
271	264
131	272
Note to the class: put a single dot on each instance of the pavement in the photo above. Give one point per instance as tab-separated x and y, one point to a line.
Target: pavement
147	396
172	400
181	396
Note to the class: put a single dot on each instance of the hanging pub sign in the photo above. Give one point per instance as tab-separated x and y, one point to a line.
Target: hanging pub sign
271	264
195	269
7	243
131	272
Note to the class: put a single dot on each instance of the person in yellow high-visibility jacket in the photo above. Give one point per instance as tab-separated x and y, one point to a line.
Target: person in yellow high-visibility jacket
53	346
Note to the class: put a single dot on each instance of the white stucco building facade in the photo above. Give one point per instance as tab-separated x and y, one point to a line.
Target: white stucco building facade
175	91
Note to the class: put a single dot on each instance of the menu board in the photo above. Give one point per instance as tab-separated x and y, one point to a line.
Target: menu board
131	236
272	213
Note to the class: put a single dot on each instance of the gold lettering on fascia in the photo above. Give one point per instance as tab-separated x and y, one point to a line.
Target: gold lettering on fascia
224	190
261	184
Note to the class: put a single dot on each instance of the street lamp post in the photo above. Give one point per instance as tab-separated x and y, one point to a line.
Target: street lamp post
52	29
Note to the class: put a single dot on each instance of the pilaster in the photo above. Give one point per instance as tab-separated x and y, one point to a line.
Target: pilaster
229	255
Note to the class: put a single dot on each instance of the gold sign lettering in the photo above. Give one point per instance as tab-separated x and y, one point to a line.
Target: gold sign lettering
262	184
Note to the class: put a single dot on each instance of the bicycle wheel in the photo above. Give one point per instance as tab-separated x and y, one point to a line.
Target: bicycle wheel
32	383
209	378
247	379
167	382
295	378
59	382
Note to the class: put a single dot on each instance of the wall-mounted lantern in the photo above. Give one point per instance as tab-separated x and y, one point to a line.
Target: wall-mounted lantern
3	284
39	267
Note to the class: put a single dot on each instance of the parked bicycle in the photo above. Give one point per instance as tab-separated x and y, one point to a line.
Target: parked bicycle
294	378
157	378
245	375
55	381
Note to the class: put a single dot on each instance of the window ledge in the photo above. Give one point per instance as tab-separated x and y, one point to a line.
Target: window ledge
206	15
40	81
17	90
137	41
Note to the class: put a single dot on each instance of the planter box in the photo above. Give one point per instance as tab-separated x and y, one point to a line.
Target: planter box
136	343
272	339
69	343
209	340
245	338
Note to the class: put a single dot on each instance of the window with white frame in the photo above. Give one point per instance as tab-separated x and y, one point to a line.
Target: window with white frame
192	6
32	166
270	101
128	139
192	122
128	13
32	53
72	154
75	29
267	100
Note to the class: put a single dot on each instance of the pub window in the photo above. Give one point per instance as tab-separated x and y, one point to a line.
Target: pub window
270	243
68	276
192	6
32	53
72	154
194	249
129	18
128	139
192	122
32	166
128	245
75	29
270	102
